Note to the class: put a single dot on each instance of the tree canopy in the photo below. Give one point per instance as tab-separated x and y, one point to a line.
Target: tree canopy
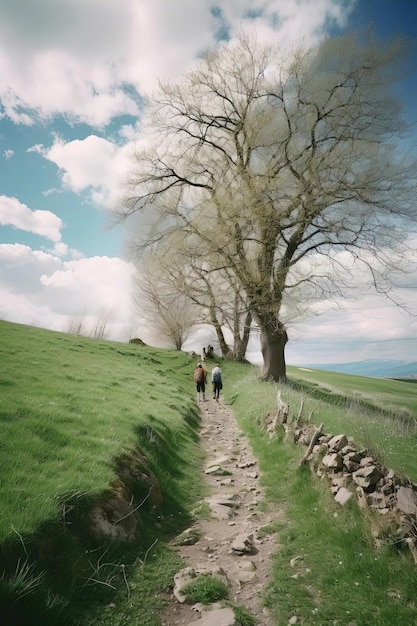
274	163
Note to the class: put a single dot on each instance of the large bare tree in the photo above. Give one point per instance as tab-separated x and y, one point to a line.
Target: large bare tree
273	161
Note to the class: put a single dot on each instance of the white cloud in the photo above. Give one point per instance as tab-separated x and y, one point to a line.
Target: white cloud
74	90
40	289
60	249
46	71
76	58
359	325
64	59
93	164
92	60
44	223
370	327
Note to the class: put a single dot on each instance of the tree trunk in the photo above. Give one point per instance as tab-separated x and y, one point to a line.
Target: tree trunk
241	342
273	341
224	348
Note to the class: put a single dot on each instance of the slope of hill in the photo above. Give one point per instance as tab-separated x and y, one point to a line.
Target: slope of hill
372	367
101	443
100	457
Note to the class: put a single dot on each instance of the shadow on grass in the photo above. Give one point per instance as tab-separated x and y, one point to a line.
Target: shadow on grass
81	561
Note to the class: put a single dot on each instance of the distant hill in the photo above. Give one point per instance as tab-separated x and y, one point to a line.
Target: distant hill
372	367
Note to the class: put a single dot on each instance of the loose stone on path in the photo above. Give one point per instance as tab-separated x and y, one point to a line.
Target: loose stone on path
227	542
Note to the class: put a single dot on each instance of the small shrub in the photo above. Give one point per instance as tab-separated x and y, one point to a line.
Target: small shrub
205	589
243	616
137	341
202	511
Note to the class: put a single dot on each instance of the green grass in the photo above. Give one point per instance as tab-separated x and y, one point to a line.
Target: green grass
69	408
243	616
352	405
141	603
379	414
326	569
205	589
396	396
72	412
76	412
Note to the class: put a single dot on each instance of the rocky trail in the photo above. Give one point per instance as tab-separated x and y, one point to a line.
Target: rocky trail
232	542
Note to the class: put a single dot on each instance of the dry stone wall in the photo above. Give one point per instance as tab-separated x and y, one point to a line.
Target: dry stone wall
353	473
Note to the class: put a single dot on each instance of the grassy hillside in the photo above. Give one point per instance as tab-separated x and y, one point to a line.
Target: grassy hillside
74	413
88	422
388	395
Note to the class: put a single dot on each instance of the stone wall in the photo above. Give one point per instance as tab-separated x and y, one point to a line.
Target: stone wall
353	473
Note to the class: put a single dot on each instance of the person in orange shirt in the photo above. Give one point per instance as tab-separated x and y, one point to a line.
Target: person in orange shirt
200	379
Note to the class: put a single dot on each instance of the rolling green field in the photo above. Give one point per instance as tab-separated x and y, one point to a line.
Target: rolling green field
69	406
380	414
386	394
74	411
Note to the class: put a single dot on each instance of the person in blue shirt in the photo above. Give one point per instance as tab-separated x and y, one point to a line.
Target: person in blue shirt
216	379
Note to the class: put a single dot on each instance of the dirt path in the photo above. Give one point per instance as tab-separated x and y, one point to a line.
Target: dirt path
232	542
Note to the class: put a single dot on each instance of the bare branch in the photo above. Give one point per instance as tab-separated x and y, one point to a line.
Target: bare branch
275	174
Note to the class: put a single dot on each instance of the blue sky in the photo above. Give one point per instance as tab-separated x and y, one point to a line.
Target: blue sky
73	75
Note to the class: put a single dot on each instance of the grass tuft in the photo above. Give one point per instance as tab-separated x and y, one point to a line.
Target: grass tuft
87	422
206	589
243	616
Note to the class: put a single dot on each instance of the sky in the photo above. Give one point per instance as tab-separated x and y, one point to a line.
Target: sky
73	75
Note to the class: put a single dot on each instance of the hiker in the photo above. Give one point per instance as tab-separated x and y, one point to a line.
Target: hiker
216	379
200	379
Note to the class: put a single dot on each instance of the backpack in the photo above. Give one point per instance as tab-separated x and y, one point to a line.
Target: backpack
199	375
217	377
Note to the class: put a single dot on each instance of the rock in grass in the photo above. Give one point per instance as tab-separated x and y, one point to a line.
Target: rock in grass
338	442
333	461
217	617
217	470
367	477
187	538
407	500
181	579
343	495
